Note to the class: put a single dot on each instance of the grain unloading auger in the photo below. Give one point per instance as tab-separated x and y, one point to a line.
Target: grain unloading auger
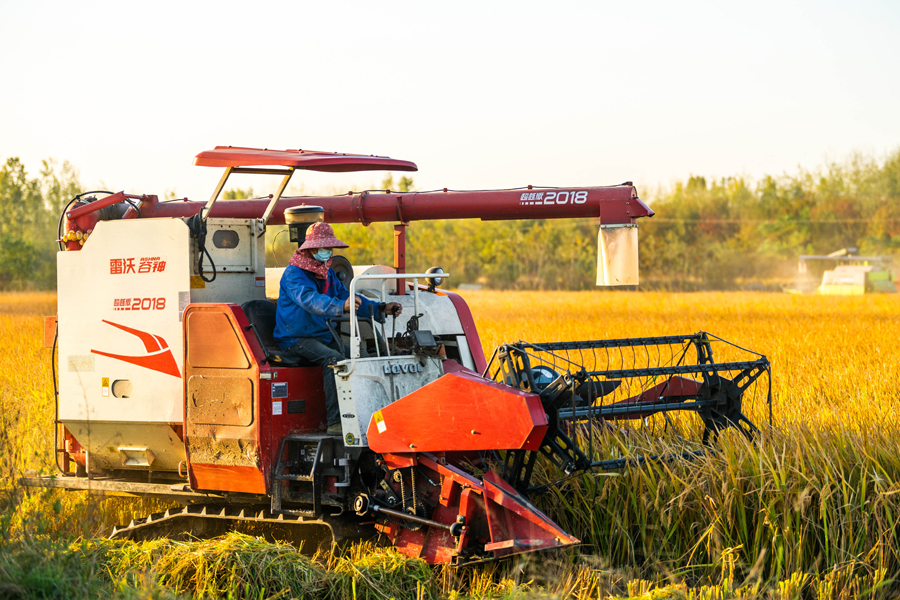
170	384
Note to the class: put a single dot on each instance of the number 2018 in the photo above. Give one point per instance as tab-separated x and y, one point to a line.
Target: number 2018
565	197
148	304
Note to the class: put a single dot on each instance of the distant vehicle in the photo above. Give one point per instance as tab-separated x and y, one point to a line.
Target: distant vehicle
844	273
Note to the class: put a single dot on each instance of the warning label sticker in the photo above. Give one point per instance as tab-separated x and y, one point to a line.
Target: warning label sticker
276	408
379	422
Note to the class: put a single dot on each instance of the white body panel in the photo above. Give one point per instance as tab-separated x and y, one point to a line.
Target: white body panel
164	449
139	274
375	383
240	271
91	291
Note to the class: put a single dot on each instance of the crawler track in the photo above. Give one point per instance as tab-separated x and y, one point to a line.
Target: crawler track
206	521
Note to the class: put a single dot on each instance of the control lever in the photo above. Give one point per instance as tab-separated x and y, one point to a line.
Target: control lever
394	334
413	323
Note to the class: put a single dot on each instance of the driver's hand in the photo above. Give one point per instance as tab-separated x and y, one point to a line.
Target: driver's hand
357	301
393	308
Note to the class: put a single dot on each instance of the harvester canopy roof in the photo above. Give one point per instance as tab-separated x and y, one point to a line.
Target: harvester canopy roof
311	160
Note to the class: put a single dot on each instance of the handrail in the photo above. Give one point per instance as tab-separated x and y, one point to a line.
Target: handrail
354	324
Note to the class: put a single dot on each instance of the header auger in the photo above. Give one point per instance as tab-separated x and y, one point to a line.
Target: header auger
171	385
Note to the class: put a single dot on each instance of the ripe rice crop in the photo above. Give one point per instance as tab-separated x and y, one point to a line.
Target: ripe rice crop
811	507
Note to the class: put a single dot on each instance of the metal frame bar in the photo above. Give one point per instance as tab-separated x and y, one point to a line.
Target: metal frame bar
354	324
402	515
260	171
275	198
686	402
616	343
701	337
172	491
679	369
204	212
270	208
634	407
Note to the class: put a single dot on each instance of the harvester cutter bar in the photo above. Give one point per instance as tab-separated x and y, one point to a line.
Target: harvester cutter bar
617	464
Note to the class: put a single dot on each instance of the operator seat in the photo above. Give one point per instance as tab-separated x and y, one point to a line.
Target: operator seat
261	314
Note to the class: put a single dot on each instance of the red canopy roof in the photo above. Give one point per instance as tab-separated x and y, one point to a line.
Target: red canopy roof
313	160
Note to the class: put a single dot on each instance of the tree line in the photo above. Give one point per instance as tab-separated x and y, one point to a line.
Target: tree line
729	233
30	208
721	234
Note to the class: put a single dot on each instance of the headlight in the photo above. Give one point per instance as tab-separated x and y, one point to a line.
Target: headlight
435	281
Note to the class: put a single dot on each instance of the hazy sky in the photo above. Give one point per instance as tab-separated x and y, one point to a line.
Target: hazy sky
478	94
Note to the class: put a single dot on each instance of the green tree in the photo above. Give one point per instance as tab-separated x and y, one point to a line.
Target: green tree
17	261
238	194
29	213
718	234
403	185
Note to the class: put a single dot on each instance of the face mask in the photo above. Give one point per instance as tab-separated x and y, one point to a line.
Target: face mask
323	254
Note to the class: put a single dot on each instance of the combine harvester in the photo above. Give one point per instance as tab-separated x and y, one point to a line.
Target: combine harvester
850	274
171	385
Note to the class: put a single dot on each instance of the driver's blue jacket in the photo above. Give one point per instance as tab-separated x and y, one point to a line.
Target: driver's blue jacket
305	302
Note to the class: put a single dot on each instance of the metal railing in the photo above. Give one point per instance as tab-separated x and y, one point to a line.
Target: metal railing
355	338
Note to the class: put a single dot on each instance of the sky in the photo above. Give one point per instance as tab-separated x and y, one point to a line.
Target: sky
479	95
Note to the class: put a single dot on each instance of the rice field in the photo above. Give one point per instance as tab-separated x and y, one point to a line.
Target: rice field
811	509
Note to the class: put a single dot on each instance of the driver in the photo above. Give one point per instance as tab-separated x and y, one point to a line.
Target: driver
310	294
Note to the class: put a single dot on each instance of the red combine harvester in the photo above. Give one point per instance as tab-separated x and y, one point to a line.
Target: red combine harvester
170	384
